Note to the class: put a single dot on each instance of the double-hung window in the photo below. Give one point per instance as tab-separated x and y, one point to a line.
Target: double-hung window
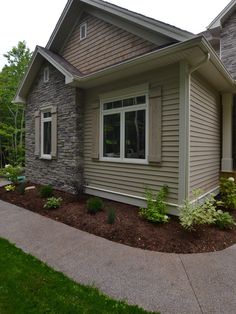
124	129
46	134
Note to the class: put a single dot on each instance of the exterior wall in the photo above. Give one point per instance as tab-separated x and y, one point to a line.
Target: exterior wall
228	44
131	179
66	168
104	46
205	136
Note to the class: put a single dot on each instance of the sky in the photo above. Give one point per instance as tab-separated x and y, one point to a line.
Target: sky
34	21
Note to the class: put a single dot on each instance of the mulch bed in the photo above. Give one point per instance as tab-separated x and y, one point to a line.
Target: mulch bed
129	228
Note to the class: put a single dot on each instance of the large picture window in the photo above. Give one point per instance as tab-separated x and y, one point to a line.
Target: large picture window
46	134
124	129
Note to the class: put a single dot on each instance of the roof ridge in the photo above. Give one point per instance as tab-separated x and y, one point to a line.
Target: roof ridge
143	15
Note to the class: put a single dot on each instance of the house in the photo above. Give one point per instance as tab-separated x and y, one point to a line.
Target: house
118	101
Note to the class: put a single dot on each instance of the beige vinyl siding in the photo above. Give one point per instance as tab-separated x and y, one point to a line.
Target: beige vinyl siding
132	178
104	46
205	136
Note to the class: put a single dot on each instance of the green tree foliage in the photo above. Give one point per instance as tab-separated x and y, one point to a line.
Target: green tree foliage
12	119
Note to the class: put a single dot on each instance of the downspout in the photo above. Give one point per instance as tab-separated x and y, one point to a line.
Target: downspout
185	112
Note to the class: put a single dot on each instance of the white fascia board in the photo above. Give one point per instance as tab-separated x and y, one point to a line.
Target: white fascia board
217	22
39	52
154	25
18	98
67	74
59	23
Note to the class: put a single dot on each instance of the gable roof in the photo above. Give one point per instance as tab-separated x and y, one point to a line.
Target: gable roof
41	54
73	7
223	15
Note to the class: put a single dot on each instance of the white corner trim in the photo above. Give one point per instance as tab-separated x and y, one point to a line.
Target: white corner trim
184	132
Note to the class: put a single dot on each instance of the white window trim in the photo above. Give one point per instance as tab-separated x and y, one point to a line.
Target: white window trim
122	111
46	75
49	119
80	31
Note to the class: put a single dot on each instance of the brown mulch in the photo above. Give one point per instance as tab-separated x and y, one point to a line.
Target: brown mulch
129	228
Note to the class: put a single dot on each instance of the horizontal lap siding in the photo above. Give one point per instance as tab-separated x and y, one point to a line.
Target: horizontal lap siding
104	46
205	136
132	178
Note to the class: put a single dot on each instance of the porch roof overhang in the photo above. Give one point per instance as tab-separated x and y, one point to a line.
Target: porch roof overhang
194	51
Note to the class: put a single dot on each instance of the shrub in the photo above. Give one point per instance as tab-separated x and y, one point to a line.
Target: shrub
21	188
224	220
111	216
53	203
228	192
156	210
11	172
197	213
94	205
10	188
46	191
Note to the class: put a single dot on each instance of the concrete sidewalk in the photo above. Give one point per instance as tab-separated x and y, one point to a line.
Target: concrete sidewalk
169	283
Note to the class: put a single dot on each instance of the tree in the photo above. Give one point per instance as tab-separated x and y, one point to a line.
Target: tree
12	118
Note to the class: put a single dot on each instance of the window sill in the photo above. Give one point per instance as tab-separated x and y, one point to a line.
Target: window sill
125	161
46	157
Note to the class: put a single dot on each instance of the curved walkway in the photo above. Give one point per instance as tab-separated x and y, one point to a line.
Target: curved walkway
169	283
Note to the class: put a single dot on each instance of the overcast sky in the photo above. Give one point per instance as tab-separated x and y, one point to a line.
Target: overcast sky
34	21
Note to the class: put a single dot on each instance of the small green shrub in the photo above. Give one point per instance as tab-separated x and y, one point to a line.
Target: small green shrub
21	188
94	205
228	192
156	210
11	172
46	191
224	220
53	203
198	212
111	216
10	188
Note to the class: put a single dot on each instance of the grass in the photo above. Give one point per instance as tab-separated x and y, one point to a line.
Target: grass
28	286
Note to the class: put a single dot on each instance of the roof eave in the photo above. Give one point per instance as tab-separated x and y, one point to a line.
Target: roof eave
20	94
217	22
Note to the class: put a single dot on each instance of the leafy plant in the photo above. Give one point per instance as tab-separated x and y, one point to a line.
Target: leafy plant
21	188
46	191
53	203
94	205
156	210
228	192
204	212
11	172
197	212
111	216
224	220
10	188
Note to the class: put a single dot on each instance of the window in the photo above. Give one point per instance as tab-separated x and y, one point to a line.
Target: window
83	31
46	134
46	75
124	129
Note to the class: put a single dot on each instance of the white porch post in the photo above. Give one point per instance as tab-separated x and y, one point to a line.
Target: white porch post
227	158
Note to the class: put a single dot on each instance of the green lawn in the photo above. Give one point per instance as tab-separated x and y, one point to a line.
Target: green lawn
28	286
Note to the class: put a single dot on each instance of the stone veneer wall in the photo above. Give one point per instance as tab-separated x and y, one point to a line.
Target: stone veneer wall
67	168
228	44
